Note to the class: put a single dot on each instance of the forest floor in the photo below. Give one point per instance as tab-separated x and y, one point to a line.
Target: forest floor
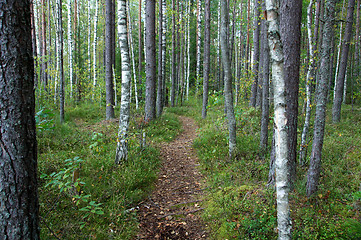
172	210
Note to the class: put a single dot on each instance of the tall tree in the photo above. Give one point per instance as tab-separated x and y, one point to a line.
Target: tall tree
199	40
160	61
228	95
290	29
60	62
95	42
206	61
70	47
150	98
174	67
44	64
109	89
281	145
122	145
313	175
337	101
256	25
140	50
18	162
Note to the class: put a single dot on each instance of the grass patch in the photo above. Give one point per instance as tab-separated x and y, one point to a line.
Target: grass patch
94	198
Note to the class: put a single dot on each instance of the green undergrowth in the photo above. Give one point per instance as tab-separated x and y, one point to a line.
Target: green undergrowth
83	194
239	204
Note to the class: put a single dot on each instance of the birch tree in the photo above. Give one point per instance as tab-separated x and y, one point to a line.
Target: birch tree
188	47
70	47
199	36
206	62
60	61
122	141
281	144
313	175
228	95
159	101
95	40
337	101
19	211
173	63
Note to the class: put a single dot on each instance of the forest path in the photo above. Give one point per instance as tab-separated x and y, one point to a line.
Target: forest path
172	210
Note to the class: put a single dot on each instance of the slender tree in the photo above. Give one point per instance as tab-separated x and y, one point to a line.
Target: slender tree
18	162
95	42
122	145
228	95
70	47
60	59
206	62
337	101
109	89
313	175
174	67
160	62
140	50
150	97
199	40
281	144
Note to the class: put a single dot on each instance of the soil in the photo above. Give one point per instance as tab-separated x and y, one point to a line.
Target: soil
173	210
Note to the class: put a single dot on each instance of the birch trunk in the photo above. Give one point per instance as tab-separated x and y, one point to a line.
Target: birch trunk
70	47
150	98
89	40
60	59
199	35
337	101
95	41
309	79
313	175
206	62
228	95
189	46
140	50
122	142
219	47
174	68
164	46
281	144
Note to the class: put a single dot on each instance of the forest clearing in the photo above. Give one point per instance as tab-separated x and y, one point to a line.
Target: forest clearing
192	119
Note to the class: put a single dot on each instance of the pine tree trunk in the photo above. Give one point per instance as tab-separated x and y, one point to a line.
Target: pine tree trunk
356	56
18	165
150	96
122	146
228	95
206	61
290	28
281	140
160	62
321	97
60	60
256	22
337	101
109	89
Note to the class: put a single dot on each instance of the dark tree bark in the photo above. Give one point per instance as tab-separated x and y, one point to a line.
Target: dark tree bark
206	60
321	97
337	101
109	84
256	32
150	98
228	95
160	62
290	27
44	64
61	59
356	56
19	207
265	88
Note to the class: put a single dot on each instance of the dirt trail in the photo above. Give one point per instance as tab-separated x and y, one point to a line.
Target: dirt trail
172	211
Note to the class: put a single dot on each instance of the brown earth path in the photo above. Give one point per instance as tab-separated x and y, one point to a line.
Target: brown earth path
172	210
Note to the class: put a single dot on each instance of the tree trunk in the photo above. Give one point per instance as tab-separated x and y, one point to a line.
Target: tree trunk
122	146
174	68
290	28
321	97
150	109
199	36
89	40
44	64
357	45
189	46
281	140
164	46
337	101
309	79
219	68
160	62
140	50
70	48
206	62
228	95
109	86
256	24
18	166
265	87
60	60
95	40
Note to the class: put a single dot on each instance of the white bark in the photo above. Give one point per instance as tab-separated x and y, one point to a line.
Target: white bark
89	39
164	45
95	40
188	47
133	61
199	35
309	80
70	48
281	146
122	145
